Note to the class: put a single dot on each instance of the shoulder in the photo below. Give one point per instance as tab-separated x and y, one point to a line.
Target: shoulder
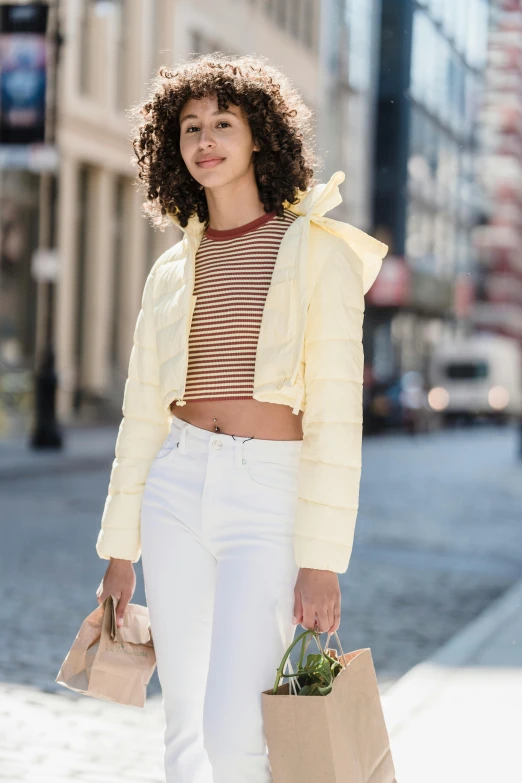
174	253
165	266
351	249
332	255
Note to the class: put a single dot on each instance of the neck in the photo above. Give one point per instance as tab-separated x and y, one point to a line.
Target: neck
234	204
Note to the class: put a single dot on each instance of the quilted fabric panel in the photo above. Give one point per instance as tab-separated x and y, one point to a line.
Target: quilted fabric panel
330	463
143	429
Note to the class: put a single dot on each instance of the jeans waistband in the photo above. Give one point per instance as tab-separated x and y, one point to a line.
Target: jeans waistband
274	450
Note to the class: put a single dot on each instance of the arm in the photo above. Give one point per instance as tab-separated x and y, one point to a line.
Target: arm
330	464
143	429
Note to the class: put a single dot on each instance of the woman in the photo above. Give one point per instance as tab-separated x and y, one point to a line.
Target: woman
238	458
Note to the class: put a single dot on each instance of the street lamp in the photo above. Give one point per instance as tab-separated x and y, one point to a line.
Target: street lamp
46	433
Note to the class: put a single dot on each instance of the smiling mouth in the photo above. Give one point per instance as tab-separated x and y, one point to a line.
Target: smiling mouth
209	164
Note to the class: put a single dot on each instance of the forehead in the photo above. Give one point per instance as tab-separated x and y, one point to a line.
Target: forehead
197	107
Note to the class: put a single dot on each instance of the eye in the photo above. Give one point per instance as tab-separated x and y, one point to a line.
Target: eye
223	122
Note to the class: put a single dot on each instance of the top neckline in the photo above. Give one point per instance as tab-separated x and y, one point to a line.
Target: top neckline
239	231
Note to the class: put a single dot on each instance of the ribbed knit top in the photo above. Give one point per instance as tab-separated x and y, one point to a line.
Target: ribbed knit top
232	276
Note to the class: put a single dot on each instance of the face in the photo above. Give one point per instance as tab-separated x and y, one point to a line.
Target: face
216	146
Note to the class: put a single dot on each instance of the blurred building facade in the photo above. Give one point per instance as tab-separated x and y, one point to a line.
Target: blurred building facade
23	74
427	199
498	306
111	49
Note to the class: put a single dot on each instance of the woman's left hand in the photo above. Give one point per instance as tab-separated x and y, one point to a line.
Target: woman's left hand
317	599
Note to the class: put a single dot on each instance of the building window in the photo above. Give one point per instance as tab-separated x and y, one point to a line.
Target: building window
117	283
122	49
202	44
270	7
84	49
359	20
81	279
309	26
281	13
477	33
295	17
294	22
155	35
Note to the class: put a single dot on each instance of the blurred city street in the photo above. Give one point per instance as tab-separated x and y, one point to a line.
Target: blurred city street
438	540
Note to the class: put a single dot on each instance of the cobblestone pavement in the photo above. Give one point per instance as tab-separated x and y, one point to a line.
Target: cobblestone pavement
438	538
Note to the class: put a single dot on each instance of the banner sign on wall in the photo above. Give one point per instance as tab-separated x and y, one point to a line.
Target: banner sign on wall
23	73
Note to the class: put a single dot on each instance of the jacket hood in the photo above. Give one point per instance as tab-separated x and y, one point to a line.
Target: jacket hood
313	204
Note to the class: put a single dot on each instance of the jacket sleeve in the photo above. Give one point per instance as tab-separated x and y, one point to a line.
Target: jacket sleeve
143	429
330	462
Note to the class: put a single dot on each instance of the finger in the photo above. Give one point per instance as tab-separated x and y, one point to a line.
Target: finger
336	617
331	619
329	623
101	593
322	620
298	607
308	621
120	609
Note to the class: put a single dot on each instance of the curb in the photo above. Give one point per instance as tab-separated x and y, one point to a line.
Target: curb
410	693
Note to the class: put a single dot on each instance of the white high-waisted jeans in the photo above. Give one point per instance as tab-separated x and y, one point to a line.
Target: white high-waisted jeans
217	554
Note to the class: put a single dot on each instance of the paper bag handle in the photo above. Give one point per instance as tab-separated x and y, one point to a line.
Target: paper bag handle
312	634
280	624
281	627
135	631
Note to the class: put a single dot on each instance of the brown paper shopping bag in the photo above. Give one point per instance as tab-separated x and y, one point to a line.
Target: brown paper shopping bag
340	737
111	663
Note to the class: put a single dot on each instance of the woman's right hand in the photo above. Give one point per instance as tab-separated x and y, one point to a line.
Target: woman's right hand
119	580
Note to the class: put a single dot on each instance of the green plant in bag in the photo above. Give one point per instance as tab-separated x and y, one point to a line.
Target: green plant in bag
315	676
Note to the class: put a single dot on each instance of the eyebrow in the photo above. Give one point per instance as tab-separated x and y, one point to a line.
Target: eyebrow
195	116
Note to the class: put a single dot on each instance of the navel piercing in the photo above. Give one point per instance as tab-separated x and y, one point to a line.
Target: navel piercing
216	428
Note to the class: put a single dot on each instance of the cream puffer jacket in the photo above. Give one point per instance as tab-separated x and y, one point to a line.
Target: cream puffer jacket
309	356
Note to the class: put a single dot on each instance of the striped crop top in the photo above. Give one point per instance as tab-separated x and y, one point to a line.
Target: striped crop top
232	276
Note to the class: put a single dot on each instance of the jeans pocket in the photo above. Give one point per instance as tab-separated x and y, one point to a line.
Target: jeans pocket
168	446
273	475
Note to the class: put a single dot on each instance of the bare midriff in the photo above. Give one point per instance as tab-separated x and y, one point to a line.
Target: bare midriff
244	418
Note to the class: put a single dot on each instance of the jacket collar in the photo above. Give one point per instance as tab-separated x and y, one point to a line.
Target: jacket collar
315	201
313	204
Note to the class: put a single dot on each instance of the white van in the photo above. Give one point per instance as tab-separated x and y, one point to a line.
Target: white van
476	376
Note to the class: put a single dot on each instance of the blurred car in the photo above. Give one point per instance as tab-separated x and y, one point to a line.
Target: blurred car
399	404
477	377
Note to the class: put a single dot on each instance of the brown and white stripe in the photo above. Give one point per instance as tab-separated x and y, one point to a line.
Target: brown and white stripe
233	273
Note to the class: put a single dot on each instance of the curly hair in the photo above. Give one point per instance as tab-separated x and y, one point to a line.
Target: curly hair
279	120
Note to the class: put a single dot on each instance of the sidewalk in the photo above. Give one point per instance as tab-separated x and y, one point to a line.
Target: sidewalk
84	448
454	718
72	738
457	716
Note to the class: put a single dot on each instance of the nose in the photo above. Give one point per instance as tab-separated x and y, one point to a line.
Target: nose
205	139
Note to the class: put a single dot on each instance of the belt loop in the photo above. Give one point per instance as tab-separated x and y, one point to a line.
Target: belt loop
182	443
238	452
